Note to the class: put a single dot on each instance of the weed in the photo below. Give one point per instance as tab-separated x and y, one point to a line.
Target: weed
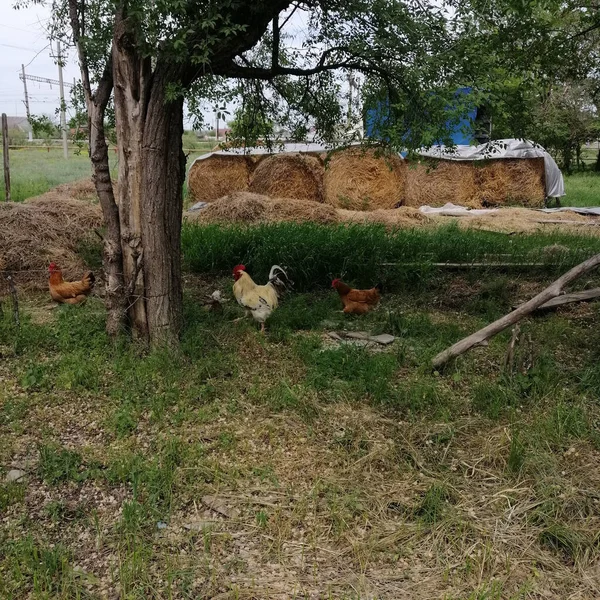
493	399
565	540
433	504
42	571
57	464
284	396
11	493
516	454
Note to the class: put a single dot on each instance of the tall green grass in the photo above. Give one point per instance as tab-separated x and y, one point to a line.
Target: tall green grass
582	189
364	254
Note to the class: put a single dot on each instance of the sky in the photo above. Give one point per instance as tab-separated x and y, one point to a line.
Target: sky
23	41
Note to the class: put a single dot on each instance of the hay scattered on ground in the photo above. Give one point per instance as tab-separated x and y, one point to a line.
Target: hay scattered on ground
434	183
45	229
356	179
214	177
405	216
246	207
296	176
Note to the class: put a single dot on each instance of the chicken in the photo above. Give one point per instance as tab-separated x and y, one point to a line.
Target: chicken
74	292
357	302
260	300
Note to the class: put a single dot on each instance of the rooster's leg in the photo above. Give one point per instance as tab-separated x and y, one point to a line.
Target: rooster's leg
262	327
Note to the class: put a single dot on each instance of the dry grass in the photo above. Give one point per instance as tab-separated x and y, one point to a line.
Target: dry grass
434	183
297	176
247	207
493	183
360	180
45	229
217	176
511	181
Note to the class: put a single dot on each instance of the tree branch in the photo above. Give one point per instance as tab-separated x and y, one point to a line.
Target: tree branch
276	37
481	336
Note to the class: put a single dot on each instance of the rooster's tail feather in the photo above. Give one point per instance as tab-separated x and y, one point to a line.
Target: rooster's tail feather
279	278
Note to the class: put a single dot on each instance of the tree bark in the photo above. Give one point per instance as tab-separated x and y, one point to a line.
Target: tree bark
481	336
131	75
96	104
163	176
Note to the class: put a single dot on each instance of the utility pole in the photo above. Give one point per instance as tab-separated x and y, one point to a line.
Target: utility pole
5	155
217	133
26	101
350	86
63	116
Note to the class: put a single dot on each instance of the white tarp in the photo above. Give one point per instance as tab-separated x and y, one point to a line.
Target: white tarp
582	210
454	210
508	148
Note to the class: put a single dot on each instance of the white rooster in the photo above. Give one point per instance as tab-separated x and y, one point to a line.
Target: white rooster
260	300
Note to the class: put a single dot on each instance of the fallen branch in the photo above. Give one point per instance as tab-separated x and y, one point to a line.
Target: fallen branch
574	297
501	324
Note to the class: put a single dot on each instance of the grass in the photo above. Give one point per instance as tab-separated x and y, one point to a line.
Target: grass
582	189
327	459
34	171
315	254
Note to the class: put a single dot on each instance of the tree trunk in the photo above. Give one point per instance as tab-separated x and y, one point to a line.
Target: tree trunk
96	104
163	176
116	301
151	176
597	167
131	75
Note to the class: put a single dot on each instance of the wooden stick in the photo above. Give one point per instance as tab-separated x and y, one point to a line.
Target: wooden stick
510	354
15	298
501	324
574	297
5	154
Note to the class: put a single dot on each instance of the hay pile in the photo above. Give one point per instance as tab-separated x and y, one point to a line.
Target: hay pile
434	183
45	229
296	176
246	207
512	181
217	176
356	179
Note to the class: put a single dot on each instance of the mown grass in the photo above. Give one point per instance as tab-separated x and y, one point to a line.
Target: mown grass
365	254
357	456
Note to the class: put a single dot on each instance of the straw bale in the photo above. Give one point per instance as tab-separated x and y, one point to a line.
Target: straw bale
358	179
216	176
519	181
246	207
289	176
432	182
45	229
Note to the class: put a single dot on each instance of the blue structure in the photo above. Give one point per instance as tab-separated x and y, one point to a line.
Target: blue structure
461	133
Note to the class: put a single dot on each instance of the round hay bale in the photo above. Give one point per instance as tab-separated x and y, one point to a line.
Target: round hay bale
431	182
216	176
289	176
246	207
517	181
356	179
